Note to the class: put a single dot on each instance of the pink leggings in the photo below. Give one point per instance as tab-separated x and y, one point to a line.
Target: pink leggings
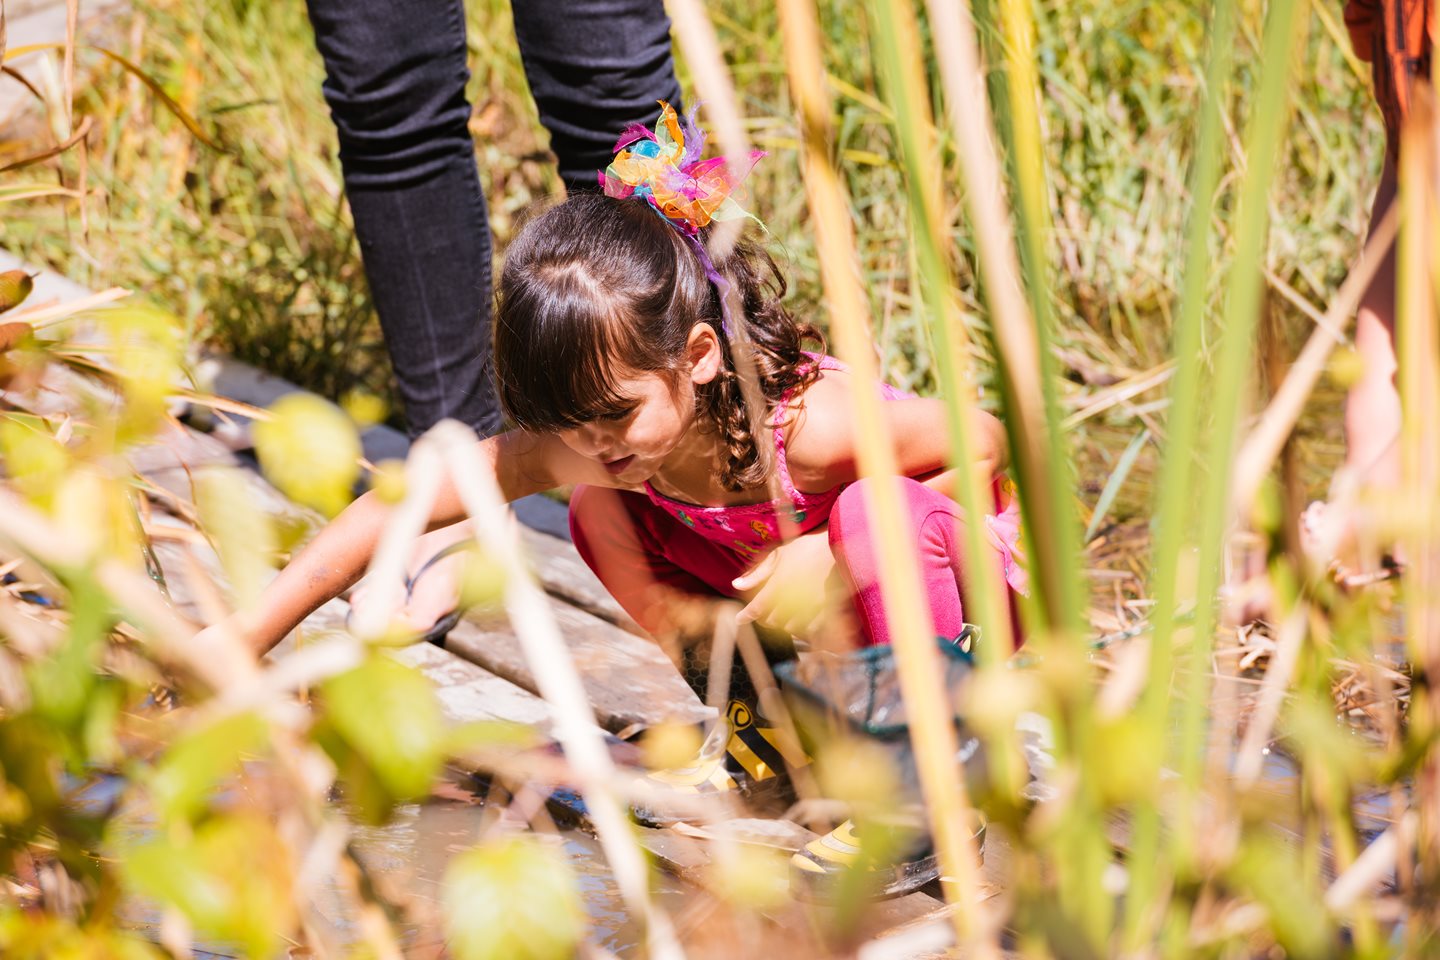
643	555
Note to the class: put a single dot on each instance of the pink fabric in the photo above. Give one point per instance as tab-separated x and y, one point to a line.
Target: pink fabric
644	555
937	524
752	529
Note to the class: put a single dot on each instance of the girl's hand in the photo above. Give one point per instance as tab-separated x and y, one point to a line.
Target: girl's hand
787	588
436	585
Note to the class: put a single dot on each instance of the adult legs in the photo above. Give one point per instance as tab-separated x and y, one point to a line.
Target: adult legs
395	82
595	67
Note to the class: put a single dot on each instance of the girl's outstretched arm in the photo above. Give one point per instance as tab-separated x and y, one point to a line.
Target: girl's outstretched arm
337	557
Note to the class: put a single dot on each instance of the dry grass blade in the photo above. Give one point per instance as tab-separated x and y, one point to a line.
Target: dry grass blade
1372	866
1290	641
1121	392
41	317
185	118
72	23
54	151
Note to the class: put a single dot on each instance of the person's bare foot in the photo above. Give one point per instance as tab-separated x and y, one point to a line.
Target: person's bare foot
1332	537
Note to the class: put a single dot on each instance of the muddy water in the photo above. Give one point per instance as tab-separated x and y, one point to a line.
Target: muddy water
411	853
416	846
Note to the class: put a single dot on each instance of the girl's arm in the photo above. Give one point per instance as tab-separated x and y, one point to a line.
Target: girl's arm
331	563
822	445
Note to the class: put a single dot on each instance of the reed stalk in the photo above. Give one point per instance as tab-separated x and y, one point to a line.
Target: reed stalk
1233	374
1262	446
1027	369
450	448
931	725
701	46
1418	339
1176	484
968	111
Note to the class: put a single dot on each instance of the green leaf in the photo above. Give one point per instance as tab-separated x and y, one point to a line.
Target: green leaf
34	936
490	734
61	683
1116	481
386	716
184	780
242	533
33	458
513	899
311	451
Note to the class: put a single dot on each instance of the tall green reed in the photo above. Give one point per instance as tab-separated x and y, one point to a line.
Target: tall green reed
931	729
1177	482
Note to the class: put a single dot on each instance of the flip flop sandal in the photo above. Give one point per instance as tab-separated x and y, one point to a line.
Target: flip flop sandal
441	628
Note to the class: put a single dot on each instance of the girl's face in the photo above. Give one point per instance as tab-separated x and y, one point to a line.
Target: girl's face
634	445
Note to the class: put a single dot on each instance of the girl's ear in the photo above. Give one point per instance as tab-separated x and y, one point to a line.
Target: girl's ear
703	352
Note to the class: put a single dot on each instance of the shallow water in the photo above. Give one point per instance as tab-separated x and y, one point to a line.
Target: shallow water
411	852
416	846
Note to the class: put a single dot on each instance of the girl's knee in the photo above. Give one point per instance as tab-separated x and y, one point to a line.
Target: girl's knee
850	514
852	505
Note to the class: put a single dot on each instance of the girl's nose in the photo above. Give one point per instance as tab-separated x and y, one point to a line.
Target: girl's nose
588	439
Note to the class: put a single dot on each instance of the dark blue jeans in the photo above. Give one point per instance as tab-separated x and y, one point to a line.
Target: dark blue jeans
395	82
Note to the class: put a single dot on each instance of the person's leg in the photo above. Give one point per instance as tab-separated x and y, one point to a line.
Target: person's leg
595	67
662	573
1372	409
936	523
395	82
668	577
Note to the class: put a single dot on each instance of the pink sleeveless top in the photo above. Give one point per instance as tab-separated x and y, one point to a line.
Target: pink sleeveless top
753	529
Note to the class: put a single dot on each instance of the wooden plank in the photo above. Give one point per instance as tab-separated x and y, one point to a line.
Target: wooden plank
564	575
629	679
176	446
468	693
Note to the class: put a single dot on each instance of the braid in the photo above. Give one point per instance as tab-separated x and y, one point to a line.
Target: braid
778	343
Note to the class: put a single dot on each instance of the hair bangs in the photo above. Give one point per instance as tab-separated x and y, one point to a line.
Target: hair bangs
561	366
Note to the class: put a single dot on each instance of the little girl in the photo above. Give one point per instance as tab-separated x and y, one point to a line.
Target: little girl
614	362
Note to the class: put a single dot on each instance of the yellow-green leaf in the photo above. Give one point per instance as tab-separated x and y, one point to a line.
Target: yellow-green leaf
310	450
513	899
15	286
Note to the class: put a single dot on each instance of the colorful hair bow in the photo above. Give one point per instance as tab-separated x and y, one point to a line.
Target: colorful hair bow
664	167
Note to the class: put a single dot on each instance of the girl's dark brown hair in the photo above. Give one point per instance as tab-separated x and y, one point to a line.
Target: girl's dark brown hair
598	286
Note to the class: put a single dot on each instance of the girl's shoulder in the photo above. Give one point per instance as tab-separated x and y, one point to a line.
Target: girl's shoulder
816	429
